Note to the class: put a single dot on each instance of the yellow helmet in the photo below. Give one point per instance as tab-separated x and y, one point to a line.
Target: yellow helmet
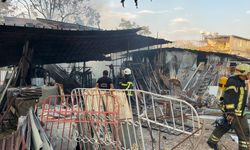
242	69
222	82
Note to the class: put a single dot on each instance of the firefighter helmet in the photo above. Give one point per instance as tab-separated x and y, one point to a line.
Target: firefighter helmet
222	82
127	71
242	69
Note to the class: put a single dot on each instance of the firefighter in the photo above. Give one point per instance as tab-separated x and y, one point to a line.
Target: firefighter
126	82
234	101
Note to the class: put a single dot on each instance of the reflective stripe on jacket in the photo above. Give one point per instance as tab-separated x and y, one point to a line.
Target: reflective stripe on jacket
235	95
127	86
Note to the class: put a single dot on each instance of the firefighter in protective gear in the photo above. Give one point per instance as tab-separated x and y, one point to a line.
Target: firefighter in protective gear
234	99
126	82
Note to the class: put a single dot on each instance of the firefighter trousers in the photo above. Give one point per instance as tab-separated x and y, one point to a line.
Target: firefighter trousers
240	125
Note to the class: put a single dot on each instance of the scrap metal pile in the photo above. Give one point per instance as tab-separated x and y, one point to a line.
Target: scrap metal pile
28	135
61	76
179	73
90	118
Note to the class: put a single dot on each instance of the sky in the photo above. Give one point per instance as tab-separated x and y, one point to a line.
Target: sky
179	19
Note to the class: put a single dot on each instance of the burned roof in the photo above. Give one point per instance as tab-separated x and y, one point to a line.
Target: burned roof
152	52
67	46
45	23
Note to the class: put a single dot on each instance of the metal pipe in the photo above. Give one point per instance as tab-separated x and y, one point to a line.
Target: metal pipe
197	69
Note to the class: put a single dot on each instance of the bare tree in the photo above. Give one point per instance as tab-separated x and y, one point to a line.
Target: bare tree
126	24
6	9
61	10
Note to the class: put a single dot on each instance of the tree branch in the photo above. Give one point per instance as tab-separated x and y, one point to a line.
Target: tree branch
26	6
40	11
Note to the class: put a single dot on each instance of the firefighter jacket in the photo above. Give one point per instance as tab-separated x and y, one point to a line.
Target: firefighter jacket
235	95
127	84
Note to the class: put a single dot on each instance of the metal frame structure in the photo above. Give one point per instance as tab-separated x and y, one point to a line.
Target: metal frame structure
145	113
109	119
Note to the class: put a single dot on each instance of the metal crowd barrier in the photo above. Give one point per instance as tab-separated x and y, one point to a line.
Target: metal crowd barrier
144	115
109	119
86	121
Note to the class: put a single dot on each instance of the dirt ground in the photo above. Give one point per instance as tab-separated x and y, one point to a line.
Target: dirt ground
168	141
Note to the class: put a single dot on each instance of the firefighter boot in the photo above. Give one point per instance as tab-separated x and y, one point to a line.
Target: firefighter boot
212	145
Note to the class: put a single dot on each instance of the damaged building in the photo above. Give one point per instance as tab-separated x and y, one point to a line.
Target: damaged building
45	106
180	72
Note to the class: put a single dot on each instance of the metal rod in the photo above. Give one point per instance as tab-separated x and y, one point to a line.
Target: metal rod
185	139
197	69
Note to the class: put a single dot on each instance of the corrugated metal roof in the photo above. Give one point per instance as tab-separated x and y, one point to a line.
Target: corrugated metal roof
65	46
45	23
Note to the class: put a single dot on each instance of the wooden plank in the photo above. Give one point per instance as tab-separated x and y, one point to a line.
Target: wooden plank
7	86
125	112
110	101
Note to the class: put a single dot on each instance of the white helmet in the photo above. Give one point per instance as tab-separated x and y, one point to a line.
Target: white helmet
127	71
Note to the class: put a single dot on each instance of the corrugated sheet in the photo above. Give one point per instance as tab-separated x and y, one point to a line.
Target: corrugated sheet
65	46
